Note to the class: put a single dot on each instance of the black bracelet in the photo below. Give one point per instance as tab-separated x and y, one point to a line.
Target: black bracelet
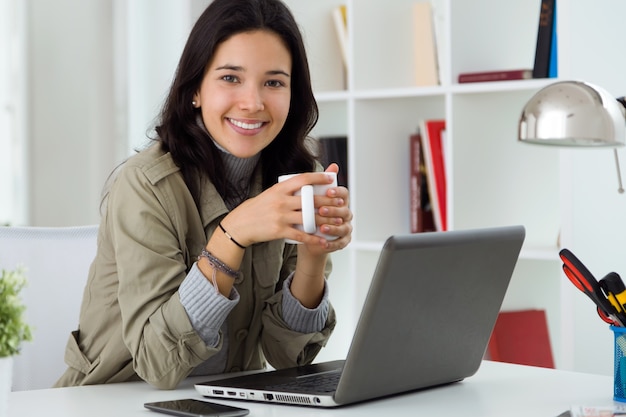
230	237
219	265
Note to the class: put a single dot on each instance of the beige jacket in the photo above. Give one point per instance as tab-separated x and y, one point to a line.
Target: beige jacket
132	324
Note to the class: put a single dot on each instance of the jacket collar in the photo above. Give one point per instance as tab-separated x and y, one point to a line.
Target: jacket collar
213	206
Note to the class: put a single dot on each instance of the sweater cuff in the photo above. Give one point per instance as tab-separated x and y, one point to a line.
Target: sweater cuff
300	318
207	308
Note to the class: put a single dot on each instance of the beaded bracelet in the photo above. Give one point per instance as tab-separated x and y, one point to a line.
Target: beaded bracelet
216	265
219	265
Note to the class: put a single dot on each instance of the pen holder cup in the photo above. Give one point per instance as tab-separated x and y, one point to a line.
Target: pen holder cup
619	364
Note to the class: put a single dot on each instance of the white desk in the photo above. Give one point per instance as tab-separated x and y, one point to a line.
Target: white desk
497	389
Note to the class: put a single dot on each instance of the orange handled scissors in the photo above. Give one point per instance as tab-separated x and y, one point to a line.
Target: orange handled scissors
580	276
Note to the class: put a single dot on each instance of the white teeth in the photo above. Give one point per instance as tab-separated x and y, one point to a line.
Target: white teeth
246	125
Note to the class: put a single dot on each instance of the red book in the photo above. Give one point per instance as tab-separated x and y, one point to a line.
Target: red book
433	146
503	75
420	210
521	337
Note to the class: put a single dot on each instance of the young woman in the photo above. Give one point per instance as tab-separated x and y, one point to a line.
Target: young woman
192	274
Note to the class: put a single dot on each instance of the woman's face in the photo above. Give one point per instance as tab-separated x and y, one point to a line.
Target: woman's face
245	93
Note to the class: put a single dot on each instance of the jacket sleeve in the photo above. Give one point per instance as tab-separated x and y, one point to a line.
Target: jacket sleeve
147	237
282	346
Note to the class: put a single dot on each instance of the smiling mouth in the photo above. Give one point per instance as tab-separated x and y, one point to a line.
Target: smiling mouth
243	125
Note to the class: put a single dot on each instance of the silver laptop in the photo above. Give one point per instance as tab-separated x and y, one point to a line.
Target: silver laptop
426	321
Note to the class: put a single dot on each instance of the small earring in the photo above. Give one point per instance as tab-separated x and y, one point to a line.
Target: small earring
193	103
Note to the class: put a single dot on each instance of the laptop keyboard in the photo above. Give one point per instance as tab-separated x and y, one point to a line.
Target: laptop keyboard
326	382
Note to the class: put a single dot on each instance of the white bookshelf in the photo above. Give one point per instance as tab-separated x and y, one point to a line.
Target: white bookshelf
493	179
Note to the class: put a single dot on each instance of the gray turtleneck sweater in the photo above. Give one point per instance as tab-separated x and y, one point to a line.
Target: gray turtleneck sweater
208	309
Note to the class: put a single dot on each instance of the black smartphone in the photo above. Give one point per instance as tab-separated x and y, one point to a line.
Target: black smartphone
190	407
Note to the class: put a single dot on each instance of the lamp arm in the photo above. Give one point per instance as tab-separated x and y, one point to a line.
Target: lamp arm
620	189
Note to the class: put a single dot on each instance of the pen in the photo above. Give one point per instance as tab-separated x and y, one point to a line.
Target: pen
615	291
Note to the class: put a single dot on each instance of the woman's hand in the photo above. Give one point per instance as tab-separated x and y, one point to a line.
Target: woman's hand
272	214
334	217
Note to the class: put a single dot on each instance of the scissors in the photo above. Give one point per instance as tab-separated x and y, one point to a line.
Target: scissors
580	276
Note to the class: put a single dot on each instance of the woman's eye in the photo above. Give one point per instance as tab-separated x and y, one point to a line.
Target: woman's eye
275	83
230	78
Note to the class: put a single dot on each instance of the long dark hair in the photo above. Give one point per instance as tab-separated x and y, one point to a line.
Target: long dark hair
178	130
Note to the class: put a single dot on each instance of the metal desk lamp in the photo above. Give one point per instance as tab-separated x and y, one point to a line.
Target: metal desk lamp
576	114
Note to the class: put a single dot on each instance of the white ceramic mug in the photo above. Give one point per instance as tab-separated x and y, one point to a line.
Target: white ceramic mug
308	208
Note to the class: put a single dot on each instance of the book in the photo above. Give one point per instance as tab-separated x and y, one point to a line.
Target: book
425	45
553	70
606	410
502	75
335	149
340	21
421	213
521	337
435	161
544	39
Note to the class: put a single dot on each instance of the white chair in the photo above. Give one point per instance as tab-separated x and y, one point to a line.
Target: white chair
56	261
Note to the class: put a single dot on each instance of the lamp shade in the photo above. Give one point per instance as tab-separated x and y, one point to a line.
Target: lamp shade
573	113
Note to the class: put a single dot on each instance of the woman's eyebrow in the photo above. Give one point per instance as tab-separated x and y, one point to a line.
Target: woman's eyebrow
229	67
278	72
240	68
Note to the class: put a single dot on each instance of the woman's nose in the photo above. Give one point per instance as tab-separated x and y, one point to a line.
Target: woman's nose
251	99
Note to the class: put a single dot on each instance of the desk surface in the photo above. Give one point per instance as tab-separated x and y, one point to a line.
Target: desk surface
497	389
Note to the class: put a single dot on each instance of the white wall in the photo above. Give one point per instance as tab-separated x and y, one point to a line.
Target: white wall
97	75
70	113
13	161
156	34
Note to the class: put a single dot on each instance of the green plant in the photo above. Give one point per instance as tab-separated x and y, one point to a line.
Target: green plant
13	329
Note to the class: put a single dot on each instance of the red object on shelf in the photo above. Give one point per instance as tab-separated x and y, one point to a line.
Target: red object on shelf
521	337
433	132
502	75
